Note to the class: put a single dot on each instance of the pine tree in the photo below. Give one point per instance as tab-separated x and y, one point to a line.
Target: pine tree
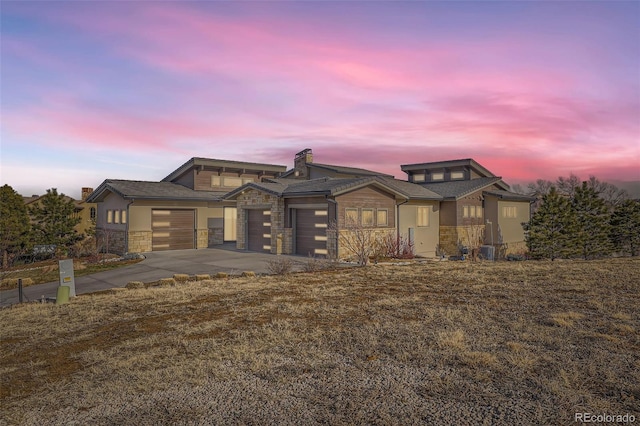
591	235
54	220
548	231
14	224
625	227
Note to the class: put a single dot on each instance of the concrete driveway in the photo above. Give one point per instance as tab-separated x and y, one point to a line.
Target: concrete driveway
159	265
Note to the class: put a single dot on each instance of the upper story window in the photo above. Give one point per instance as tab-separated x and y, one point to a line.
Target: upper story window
92	213
437	176
418	177
457	175
229	181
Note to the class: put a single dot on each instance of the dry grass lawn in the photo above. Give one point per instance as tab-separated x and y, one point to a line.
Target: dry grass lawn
434	343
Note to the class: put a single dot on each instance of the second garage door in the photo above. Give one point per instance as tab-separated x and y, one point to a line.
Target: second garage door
311	232
259	227
172	229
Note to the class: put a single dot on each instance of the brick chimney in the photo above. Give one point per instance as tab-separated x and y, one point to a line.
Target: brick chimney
303	158
86	192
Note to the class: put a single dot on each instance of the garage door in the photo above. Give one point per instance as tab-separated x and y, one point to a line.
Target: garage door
259	230
172	229
311	232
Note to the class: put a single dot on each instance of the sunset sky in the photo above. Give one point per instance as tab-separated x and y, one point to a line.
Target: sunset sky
131	90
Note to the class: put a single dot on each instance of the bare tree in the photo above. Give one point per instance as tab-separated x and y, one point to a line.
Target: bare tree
611	194
568	186
356	240
474	238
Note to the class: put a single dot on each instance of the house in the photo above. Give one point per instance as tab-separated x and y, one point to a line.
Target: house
473	199
293	216
83	209
183	211
265	207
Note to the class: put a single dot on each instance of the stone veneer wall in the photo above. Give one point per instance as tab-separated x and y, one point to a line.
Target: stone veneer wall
452	236
259	199
216	236
139	241
116	241
202	238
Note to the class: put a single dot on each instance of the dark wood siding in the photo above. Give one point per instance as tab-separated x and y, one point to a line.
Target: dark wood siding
203	179
311	232
172	229
257	229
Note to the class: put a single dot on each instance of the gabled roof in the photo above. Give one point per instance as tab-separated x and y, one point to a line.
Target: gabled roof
223	164
133	189
508	195
336	186
459	188
436	165
411	190
355	171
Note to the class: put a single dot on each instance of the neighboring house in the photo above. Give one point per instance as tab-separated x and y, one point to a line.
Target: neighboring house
183	211
83	209
476	203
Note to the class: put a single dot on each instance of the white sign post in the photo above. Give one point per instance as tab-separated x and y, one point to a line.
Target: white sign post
66	275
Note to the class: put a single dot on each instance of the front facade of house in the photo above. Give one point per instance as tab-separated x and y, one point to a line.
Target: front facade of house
292	216
265	207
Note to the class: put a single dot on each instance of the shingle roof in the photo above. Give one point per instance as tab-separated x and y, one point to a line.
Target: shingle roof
333	186
211	162
436	165
412	190
354	171
508	195
348	170
459	188
132	189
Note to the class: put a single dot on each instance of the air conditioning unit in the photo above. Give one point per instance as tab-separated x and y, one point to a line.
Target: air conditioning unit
488	252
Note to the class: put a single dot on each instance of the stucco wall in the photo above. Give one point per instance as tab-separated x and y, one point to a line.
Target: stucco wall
511	230
426	238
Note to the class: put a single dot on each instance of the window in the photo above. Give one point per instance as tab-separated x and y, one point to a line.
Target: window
472	211
116	216
383	217
423	216
109	216
509	212
419	177
457	175
437	176
367	217
232	182
216	181
123	216
351	217
92	213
